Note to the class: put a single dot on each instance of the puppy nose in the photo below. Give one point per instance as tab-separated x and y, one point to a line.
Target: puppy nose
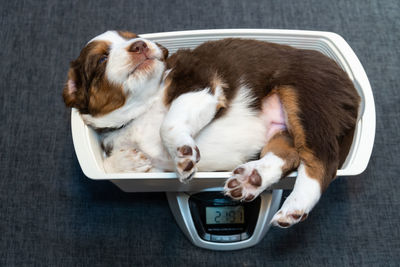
138	47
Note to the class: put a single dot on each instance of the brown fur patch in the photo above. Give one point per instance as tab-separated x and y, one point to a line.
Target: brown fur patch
281	144
345	145
105	97
164	50
167	84
288	98
236	61
314	168
216	83
94	94
127	35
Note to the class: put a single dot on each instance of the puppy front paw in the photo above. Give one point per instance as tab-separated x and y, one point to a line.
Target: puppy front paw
186	157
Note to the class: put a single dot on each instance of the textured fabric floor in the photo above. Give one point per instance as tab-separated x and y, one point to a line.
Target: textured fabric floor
52	215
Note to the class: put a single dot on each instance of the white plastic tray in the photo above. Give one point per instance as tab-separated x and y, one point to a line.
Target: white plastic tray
88	149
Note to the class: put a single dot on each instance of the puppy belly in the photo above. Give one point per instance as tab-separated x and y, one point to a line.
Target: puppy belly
234	138
273	115
240	135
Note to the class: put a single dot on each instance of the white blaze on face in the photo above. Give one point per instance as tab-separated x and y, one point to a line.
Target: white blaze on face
120	63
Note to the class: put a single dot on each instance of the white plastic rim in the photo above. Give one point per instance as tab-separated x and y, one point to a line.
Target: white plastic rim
88	149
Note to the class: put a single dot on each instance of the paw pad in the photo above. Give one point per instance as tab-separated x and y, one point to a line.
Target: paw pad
186	158
237	193
245	184
239	170
233	183
185	150
283	224
186	165
296	216
289	218
255	178
197	154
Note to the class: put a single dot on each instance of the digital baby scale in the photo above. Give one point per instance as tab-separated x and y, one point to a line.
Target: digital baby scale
208	218
214	221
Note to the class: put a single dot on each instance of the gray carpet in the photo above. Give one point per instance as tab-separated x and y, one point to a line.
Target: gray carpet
52	215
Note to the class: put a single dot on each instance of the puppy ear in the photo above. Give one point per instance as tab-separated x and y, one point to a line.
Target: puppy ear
69	93
164	50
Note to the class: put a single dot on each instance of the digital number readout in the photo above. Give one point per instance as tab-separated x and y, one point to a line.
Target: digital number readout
224	215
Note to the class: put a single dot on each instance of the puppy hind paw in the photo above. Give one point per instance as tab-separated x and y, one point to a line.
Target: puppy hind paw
285	219
252	178
300	202
245	183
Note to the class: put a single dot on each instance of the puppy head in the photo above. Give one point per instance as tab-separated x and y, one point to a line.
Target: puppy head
114	72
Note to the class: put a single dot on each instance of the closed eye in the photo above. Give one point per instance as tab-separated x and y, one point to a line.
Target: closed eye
102	59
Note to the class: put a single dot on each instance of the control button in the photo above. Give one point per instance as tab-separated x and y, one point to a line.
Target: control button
225	238
245	236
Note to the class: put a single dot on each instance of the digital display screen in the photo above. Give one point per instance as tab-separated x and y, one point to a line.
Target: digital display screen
225	215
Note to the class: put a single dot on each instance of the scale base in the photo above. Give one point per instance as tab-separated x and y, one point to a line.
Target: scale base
179	204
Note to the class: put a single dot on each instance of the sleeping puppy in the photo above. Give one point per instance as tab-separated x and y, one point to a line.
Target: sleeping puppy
260	109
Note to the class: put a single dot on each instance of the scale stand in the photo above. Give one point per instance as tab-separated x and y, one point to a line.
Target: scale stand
213	221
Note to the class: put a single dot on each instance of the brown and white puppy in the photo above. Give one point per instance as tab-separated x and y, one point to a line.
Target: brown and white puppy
259	108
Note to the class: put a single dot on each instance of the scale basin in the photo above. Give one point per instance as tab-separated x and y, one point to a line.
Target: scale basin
89	153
